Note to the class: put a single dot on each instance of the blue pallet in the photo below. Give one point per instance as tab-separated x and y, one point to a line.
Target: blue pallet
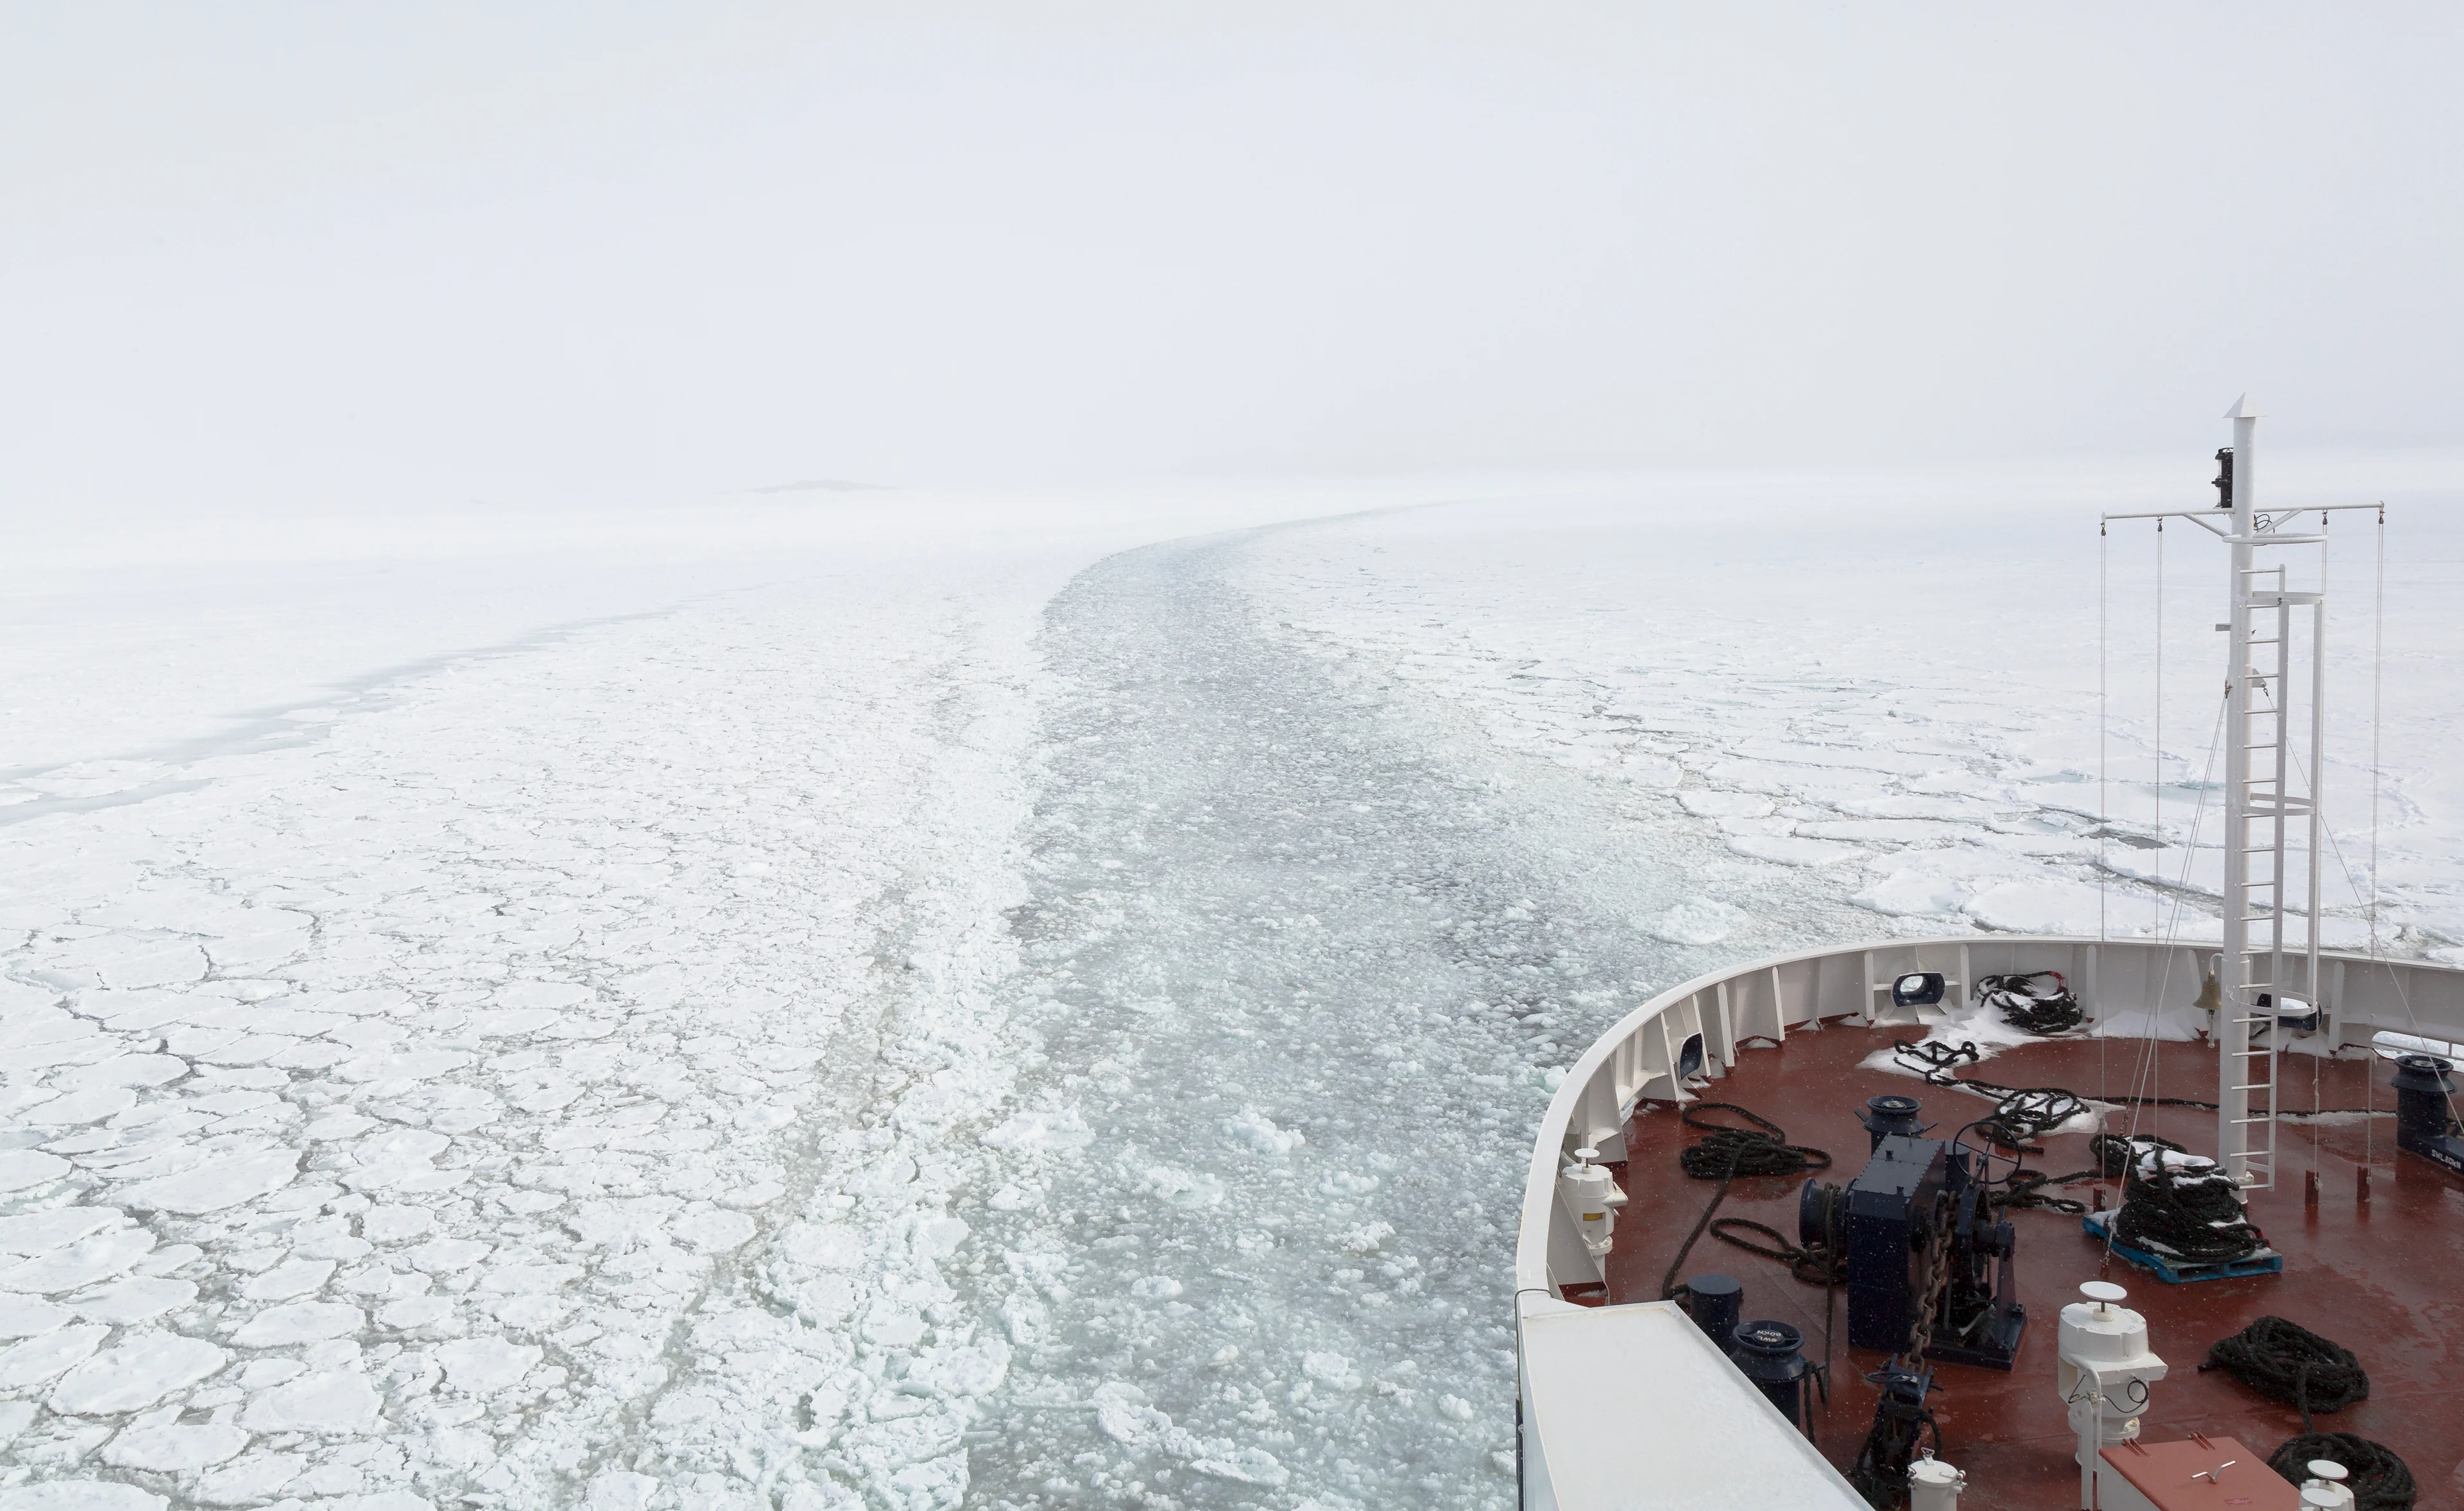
2172	1273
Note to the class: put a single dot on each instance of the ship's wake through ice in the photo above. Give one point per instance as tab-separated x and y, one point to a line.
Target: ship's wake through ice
1299	981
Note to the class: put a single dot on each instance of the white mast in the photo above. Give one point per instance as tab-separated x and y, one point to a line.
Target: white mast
2264	972
2235	974
2265	821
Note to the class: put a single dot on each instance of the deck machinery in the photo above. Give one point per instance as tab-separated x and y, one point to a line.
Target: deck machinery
1918	1215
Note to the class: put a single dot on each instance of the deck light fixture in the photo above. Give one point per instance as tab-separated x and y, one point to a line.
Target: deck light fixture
1917	988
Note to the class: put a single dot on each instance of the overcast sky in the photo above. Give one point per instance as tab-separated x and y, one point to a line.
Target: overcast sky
301	252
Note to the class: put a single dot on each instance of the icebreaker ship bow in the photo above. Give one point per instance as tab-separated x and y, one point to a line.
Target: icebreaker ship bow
1895	1276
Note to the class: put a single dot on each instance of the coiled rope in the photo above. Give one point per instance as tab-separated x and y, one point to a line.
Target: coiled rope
2186	1207
2029	1008
1725	1152
2116	1152
2025	1112
2289	1362
2379	1480
1931	1059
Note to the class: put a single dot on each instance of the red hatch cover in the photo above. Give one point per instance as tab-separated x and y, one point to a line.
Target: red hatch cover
2176	1477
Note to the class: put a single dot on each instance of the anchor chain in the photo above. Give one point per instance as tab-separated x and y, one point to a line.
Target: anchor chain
1931	1282
1901	1416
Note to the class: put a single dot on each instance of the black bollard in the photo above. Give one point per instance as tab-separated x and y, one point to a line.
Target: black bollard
2421	1099
1773	1355
1716	1302
1891	1117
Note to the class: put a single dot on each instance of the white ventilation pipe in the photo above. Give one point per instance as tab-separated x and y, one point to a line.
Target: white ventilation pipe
2103	1370
1591	1193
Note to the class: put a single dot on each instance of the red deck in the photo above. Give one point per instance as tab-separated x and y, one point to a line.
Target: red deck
2380	1277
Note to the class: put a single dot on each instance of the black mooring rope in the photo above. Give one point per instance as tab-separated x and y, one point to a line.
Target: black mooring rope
2028	1008
1814	1263
2193	1215
2117	1152
2289	1362
1669	1289
2379	1480
2026	1189
1762	1149
2025	1112
1725	1153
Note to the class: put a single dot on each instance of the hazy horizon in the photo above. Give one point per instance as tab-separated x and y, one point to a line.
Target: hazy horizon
278	254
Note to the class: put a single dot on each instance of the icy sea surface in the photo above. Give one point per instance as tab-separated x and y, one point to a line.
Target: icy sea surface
938	1009
519	1087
